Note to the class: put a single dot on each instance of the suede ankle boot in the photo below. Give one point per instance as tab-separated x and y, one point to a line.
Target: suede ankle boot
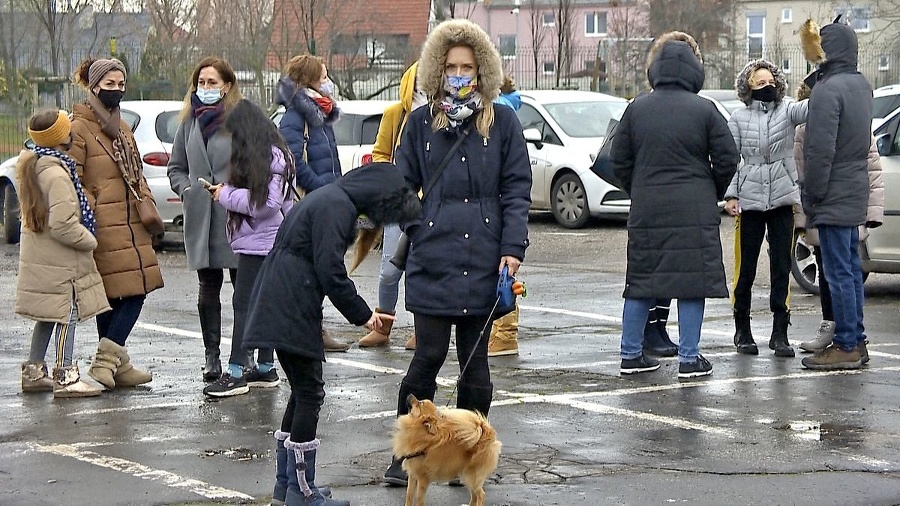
379	337
331	344
35	378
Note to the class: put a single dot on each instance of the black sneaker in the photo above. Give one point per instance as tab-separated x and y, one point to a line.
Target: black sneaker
226	386
640	364
699	367
258	379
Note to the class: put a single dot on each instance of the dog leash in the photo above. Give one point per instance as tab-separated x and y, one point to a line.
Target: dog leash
472	353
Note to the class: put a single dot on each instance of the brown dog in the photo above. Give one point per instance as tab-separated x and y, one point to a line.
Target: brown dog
442	444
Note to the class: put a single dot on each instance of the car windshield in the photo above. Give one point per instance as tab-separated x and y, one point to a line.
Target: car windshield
585	119
356	129
882	106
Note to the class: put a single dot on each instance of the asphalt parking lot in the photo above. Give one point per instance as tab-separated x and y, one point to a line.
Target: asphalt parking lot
760	430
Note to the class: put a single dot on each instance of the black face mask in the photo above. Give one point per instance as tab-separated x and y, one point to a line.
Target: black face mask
764	94
110	98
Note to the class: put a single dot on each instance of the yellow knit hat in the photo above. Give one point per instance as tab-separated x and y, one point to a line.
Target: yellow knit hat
57	134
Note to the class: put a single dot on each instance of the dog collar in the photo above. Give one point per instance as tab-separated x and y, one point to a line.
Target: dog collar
413	455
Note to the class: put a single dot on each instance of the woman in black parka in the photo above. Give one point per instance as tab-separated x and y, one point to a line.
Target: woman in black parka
474	220
305	265
675	172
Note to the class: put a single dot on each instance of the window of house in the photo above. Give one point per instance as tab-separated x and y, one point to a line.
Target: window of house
884	62
756	24
595	23
786	65
786	15
548	19
857	16
508	45
549	67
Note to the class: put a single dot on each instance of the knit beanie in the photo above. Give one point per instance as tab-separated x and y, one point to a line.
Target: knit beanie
100	68
56	134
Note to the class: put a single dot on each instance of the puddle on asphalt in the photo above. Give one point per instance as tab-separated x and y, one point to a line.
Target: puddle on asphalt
234	454
826	431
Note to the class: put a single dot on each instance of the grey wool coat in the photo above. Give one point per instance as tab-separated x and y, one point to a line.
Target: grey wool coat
204	221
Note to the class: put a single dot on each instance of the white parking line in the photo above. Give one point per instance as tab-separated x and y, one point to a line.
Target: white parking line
173	480
601	317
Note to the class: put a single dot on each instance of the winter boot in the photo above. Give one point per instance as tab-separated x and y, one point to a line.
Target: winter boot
285	463
303	491
211	328
35	378
504	338
331	344
379	337
823	338
779	340
656	337
67	384
105	364
743	337
410	343
395	475
126	375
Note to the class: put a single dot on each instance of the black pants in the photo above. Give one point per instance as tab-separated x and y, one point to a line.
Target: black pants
247	271
301	417
432	344
751	230
116	325
824	290
211	285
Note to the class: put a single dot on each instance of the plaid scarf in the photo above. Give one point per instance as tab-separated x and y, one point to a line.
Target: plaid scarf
87	215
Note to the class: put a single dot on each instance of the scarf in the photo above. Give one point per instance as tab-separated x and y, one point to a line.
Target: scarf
87	215
125	153
324	103
210	117
460	103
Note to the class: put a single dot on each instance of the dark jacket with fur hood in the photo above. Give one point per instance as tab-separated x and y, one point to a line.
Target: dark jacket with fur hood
478	209
835	187
675	172
310	136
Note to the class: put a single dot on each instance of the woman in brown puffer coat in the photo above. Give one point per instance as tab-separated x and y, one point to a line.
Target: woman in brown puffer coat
124	254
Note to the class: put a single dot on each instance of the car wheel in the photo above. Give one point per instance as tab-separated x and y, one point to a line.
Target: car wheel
569	202
9	213
803	266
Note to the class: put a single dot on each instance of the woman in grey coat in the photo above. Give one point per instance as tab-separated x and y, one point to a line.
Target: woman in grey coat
202	149
762	196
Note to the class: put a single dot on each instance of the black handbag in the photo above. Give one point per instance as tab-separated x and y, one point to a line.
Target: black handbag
399	258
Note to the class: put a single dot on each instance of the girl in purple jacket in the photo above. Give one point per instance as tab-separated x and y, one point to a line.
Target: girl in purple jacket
257	196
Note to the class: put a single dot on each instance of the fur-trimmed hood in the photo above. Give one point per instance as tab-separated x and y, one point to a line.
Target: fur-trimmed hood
835	44
742	82
459	32
653	52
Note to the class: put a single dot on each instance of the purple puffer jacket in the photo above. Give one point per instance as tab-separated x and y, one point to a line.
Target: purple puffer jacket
257	233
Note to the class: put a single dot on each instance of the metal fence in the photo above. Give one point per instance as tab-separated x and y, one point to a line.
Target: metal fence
617	68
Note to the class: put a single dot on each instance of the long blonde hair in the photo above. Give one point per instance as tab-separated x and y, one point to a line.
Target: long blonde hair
33	205
365	241
483	123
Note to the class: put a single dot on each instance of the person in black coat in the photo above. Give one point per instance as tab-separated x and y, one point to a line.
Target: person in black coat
305	265
474	220
835	190
675	176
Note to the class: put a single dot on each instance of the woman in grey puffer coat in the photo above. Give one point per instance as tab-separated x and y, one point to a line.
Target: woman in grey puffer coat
762	196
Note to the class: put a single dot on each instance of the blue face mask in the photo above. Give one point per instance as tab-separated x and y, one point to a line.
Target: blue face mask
327	88
209	97
459	81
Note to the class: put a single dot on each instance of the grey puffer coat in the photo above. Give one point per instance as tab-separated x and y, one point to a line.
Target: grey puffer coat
764	134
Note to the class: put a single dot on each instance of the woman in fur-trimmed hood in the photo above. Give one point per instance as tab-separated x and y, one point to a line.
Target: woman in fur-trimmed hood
762	195
475	217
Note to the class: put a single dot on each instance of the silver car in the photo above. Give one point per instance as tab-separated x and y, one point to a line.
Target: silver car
154	123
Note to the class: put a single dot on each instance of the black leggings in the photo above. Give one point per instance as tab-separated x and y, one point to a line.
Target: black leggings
824	289
777	227
211	285
301	417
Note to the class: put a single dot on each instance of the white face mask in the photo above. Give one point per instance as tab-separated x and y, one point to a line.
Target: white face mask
209	97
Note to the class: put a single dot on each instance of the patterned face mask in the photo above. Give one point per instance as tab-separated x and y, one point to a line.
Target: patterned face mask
460	87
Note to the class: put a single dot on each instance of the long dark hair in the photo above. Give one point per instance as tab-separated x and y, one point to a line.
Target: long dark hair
253	135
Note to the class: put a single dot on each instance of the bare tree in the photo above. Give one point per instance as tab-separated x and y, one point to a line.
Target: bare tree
443	10
538	34
171	53
630	35
12	89
705	20
565	23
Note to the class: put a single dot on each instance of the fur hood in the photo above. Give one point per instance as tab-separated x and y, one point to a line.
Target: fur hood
811	42
742	82
653	52
456	32
834	43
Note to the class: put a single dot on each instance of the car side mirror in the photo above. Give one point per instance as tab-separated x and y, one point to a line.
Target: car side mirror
533	135
883	144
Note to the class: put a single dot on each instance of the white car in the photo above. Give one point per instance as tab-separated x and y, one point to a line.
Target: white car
154	123
564	129
355	131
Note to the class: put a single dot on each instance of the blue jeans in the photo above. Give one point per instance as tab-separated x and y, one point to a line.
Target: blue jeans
840	259
117	324
690	320
389	276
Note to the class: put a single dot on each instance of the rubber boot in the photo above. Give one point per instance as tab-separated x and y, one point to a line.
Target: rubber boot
35	378
743	337
331	344
656	338
779	340
285	463
379	337
475	397
304	490
67	384
211	329
105	364
127	375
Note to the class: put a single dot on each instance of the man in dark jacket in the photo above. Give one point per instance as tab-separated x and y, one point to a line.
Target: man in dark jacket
675	176
836	188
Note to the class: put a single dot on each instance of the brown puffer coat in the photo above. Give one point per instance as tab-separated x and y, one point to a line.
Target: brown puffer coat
124	254
57	264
